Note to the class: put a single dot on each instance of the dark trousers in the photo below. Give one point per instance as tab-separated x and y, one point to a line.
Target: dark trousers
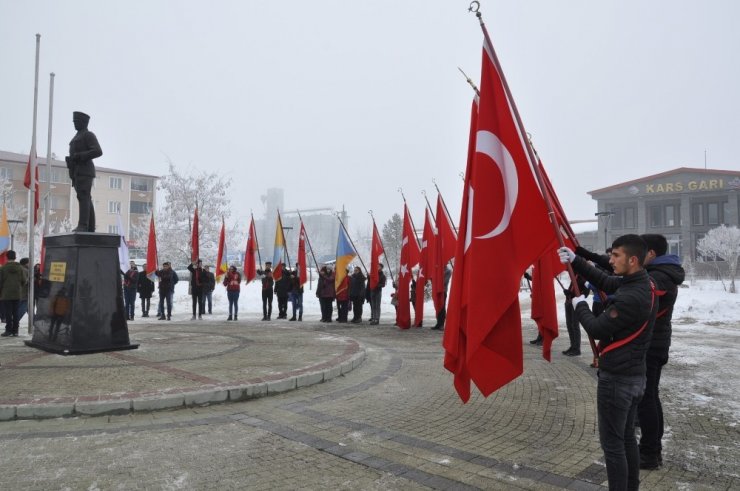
297	300
267	305
233	297
357	308
83	186
12	320
326	308
129	302
617	398
342	310
165	297
650	411
145	304
282	306
208	299
375	296
574	329
198	300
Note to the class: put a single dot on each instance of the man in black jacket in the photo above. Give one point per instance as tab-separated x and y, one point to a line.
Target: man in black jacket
624	330
667	274
198	283
282	290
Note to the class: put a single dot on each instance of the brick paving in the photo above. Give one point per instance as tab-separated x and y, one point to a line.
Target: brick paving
393	422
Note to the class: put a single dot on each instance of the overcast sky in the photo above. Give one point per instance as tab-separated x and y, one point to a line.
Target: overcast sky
341	103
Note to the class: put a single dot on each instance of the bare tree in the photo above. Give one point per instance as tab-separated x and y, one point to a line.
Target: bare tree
722	244
174	219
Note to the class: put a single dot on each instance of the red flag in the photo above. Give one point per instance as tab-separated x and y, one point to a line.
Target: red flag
376	251
427	263
221	262
301	260
446	231
42	254
33	167
250	268
544	307
152	258
504	228
409	259
194	249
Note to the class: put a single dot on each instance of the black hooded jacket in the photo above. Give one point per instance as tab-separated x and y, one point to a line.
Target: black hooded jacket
632	306
667	273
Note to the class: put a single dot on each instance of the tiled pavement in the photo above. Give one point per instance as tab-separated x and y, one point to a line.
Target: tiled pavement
394	422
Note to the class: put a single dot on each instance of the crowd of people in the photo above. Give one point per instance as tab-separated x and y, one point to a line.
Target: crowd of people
349	296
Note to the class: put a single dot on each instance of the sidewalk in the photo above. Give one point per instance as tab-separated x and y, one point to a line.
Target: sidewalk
179	363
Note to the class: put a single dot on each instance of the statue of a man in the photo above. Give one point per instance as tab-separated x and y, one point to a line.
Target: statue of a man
82	149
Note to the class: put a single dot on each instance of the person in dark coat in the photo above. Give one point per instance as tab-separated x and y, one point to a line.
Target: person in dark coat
198	284
667	273
326	293
296	295
167	281
624	330
376	295
208	290
13	280
130	284
357	294
267	290
342	296
282	290
145	287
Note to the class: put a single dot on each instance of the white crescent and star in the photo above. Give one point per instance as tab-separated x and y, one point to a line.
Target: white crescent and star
489	144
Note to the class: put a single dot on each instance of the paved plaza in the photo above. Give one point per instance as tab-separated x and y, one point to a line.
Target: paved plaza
287	405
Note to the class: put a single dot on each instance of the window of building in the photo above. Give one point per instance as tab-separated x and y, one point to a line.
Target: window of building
140	207
141	184
670	216
656	216
713	214
6	173
115	182
697	214
616	218
114	207
113	229
630	214
674	244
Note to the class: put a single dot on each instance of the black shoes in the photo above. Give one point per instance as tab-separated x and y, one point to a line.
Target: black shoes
537	341
229	318
651	463
6	334
572	352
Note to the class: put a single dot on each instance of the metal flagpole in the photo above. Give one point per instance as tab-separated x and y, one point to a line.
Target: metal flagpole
285	242
32	188
47	198
475	7
445	206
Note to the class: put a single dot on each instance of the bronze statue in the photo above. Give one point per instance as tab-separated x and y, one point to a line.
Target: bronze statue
82	149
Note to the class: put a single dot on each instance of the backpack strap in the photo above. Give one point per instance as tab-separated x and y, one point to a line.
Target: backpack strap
628	339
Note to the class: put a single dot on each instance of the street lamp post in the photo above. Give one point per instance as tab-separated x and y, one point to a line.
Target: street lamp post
607	215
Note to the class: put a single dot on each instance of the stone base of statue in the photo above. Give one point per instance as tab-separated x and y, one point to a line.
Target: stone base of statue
79	306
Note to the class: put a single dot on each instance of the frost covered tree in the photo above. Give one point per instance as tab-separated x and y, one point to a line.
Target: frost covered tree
722	244
392	234
174	219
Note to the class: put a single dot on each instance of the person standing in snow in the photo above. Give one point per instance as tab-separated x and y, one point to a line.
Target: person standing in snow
667	273
624	330
232	282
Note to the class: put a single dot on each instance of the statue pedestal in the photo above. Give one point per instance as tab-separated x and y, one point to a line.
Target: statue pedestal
80	301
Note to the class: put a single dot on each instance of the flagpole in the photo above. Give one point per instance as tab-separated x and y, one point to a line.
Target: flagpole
532	160
375	227
256	242
47	199
308	241
353	244
444	205
32	187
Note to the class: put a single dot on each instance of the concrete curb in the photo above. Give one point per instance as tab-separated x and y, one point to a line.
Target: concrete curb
174	399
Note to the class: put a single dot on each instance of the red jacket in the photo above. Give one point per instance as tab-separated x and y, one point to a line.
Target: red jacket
232	281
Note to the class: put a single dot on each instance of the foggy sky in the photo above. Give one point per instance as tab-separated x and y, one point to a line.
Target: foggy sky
341	103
